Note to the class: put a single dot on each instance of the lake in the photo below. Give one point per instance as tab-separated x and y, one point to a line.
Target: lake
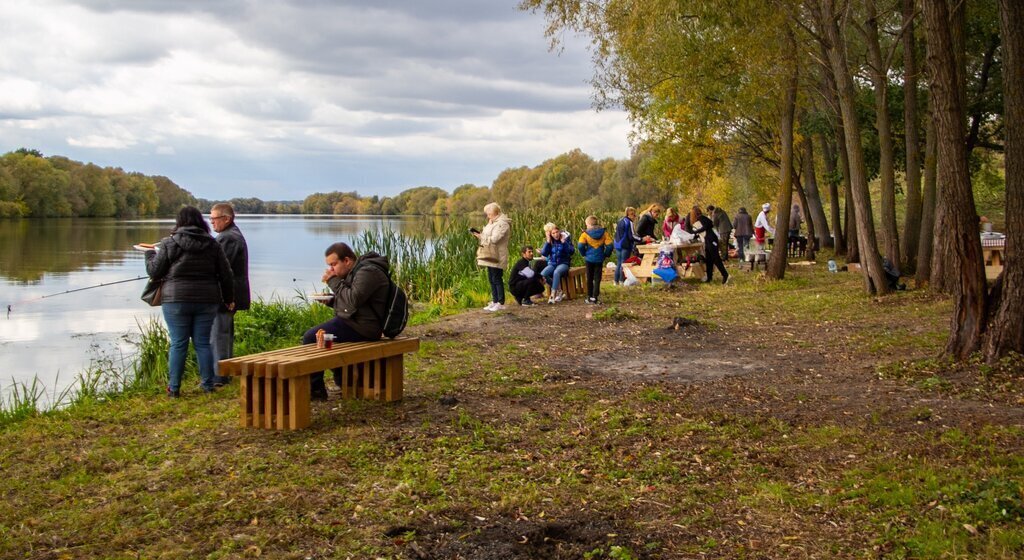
54	335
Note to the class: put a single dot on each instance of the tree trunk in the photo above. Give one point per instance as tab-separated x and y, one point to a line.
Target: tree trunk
912	219
801	195
838	242
813	196
870	260
777	261
927	237
956	201
850	233
1007	328
879	72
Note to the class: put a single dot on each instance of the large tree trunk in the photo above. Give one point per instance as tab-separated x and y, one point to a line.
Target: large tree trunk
838	241
912	218
815	209
879	72
1007	330
870	260
956	201
850	233
927	237
779	258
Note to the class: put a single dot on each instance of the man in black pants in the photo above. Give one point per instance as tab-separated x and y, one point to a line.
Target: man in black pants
525	281
360	286
711	255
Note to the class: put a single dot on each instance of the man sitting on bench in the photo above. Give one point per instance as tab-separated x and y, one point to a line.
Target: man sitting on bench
360	286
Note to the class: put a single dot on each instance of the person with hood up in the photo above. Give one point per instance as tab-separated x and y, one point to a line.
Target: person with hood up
492	253
743	232
360	287
558	251
595	245
197	281
712	258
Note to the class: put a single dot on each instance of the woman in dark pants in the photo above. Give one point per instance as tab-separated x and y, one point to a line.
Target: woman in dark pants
701	224
492	253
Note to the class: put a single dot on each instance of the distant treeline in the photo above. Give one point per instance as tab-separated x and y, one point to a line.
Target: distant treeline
58	187
572	180
54	186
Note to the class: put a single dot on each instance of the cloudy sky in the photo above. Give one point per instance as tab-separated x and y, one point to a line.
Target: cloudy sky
278	99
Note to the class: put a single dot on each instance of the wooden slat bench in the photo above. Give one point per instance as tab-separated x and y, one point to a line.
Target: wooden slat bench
575	282
274	390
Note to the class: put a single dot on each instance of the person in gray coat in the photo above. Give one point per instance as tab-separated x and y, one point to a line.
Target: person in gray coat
230	238
360	286
743	232
723	227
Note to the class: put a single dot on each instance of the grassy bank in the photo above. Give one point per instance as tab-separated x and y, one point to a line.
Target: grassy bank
798	419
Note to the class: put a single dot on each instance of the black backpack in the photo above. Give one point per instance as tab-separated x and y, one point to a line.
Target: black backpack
396	309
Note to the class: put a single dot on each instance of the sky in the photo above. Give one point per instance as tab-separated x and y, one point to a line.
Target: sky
280	99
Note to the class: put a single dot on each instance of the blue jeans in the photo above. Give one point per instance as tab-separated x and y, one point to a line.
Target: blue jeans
188	320
622	255
495	276
554	275
741	246
342	333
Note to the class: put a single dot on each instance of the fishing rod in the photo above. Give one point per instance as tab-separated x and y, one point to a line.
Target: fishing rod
100	285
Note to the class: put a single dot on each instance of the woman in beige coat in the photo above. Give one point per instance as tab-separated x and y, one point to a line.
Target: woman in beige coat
493	253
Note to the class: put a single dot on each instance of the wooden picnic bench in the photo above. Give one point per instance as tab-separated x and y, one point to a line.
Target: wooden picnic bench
275	385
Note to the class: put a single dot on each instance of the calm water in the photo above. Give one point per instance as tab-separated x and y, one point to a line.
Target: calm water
54	335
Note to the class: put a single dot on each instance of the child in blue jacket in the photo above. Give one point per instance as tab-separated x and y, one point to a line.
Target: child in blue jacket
595	245
558	251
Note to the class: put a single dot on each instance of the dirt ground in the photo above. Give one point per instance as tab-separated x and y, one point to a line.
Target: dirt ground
795	373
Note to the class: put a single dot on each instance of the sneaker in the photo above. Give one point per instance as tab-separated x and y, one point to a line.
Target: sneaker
498	307
551	300
173	393
220	381
527	302
560	296
489	306
726	281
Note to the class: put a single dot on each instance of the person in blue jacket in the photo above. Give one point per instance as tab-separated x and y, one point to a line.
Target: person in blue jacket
558	251
626	240
595	245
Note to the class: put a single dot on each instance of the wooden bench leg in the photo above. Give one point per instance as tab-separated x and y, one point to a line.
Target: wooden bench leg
257	401
284	387
393	378
298	403
245	396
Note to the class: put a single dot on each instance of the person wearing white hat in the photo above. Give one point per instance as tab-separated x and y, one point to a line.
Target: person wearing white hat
761	227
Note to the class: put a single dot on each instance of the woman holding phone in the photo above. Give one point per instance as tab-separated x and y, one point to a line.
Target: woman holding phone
492	253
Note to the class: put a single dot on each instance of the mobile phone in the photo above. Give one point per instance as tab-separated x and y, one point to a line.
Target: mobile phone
473	230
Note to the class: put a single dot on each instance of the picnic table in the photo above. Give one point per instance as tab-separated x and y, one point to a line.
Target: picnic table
992	249
649	257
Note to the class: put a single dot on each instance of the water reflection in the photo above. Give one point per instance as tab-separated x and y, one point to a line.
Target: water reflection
50	331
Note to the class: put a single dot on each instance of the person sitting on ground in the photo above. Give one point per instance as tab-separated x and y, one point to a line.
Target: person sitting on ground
559	252
360	287
648	222
671	220
524	282
712	258
595	245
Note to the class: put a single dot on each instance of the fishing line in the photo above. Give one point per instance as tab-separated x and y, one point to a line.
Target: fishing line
100	285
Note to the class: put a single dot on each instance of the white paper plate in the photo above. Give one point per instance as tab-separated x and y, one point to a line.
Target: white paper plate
320	297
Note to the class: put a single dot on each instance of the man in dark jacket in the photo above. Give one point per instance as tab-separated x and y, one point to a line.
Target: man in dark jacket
723	227
360	286
230	238
744	231
525	281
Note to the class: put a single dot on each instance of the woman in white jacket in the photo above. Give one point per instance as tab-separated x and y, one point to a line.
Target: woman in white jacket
492	253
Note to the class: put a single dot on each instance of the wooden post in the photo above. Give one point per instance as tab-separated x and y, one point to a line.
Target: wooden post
393	385
298	403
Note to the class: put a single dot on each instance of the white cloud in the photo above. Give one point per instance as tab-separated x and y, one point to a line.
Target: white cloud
285	98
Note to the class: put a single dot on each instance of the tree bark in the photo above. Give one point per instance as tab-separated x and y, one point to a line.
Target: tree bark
779	258
1007	330
956	201
838	241
927	237
813	197
912	218
879	72
812	240
870	260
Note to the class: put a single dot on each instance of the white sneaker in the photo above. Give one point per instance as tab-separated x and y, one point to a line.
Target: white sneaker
551	300
498	307
490	306
560	296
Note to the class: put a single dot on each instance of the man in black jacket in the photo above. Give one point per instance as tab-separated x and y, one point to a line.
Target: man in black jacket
230	238
525	282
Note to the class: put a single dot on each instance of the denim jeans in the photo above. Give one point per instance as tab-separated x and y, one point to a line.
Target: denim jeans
622	255
342	333
495	276
189	320
554	275
222	339
741	246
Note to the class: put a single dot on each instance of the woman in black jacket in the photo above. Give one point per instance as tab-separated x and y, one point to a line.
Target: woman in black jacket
701	224
197	280
648	223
